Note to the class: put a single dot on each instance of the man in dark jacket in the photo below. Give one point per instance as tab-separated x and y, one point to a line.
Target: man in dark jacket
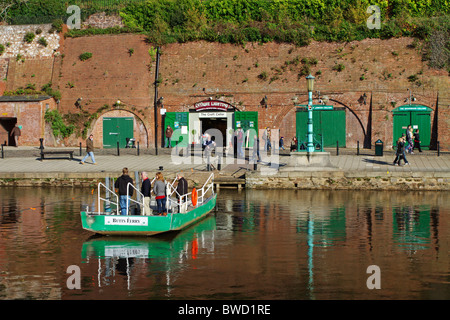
169	132
145	190
121	184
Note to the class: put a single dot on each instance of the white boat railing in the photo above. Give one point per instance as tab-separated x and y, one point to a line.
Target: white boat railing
106	200
180	201
183	201
209	184
131	199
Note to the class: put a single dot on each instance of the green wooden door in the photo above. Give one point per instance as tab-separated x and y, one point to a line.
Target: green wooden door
117	129
418	116
422	121
327	124
177	120
248	121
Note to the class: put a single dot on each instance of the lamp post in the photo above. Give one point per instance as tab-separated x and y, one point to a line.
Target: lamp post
310	87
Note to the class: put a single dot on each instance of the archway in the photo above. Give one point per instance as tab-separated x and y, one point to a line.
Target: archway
115	126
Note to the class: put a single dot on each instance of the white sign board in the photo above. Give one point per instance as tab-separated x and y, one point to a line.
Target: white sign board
126	221
212	115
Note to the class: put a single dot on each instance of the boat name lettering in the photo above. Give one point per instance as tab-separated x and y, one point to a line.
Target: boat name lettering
126	221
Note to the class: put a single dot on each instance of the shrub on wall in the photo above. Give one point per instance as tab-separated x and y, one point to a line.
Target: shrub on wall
59	127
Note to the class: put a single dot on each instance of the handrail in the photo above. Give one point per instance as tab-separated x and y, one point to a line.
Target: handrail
130	199
105	199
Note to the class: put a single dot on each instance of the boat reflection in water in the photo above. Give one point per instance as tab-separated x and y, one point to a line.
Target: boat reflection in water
121	256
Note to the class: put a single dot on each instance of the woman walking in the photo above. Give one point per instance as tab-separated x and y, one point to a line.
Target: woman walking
400	154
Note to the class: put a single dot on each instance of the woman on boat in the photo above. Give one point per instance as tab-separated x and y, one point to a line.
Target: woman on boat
159	188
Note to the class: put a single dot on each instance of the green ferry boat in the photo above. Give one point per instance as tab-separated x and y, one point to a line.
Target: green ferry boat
182	213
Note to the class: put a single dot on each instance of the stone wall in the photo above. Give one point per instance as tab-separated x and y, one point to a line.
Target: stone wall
102	21
339	180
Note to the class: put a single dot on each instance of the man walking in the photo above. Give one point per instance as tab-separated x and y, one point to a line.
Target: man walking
89	149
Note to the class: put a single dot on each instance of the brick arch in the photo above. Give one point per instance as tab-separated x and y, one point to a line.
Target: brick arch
141	132
286	121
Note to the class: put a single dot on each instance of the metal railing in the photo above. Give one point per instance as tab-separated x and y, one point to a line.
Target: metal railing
106	200
131	199
180	201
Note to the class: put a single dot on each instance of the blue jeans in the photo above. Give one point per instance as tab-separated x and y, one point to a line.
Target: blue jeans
89	154
123	205
168	143
161	205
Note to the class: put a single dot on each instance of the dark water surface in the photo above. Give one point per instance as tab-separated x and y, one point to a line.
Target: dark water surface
279	245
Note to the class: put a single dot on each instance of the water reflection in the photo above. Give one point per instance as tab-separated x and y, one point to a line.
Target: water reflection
274	244
128	255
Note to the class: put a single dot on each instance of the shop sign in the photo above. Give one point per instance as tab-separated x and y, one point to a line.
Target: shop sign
211	105
212	115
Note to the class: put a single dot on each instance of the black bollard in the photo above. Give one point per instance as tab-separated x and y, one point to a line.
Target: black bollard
138	148
118	149
80	149
337	148
357	148
438	151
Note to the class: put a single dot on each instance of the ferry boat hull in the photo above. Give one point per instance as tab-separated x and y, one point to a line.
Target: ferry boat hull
137	225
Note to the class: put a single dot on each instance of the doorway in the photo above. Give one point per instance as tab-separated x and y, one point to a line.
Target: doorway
6	126
218	124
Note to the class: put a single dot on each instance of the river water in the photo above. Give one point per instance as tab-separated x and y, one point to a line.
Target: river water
276	245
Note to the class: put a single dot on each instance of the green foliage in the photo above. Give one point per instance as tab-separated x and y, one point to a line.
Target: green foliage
85	56
42	41
2	49
59	127
29	37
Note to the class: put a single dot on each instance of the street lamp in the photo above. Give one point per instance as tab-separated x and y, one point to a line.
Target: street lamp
310	87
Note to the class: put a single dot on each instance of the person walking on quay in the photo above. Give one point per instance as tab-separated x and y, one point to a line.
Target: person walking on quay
282	143
417	141
16	133
400	153
145	190
256	156
159	189
409	139
121	184
89	149
169	132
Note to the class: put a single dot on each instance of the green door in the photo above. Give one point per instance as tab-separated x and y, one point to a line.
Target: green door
248	121
418	116
117	129
177	120
327	124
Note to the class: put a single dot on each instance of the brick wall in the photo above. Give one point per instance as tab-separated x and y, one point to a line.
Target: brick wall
242	76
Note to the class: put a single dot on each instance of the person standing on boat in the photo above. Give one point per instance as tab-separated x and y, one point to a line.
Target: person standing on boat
89	149
182	187
159	188
145	190
121	184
